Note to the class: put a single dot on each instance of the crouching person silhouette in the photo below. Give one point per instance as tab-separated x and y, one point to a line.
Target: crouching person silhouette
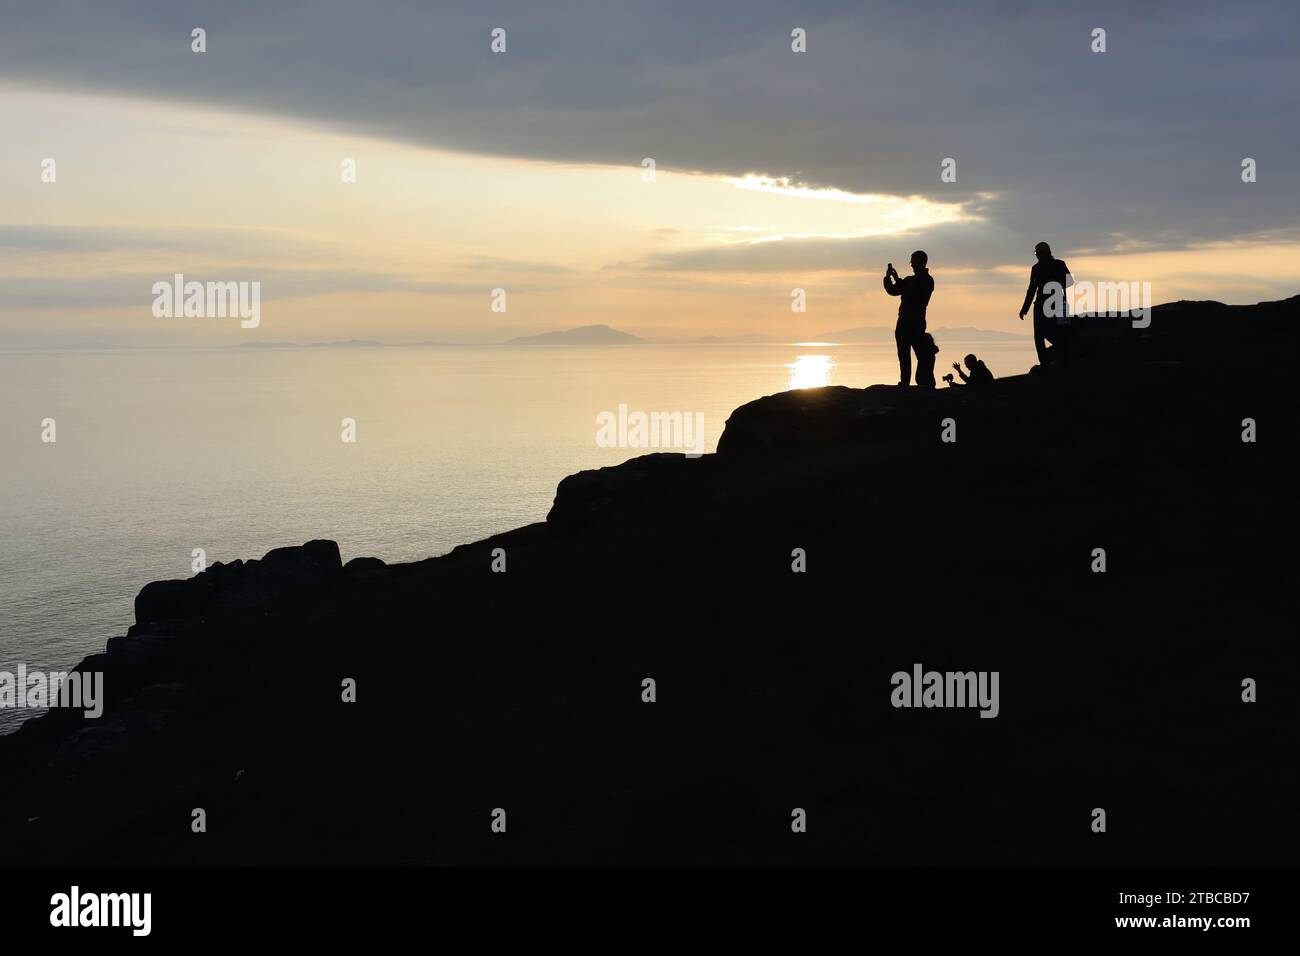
979	373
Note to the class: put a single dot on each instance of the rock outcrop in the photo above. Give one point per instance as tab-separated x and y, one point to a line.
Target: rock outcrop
282	574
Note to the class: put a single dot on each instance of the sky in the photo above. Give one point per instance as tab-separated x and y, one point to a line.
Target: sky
524	170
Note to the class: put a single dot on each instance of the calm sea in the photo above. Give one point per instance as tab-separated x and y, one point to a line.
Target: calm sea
238	451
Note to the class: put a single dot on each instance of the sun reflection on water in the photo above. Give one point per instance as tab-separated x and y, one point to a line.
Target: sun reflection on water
810	371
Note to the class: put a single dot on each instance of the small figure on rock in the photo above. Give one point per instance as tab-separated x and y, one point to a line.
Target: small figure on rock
979	372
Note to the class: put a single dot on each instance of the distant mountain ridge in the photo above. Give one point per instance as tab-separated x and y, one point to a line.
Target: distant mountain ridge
582	335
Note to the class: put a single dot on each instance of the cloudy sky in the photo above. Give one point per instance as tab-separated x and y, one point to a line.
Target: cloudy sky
523	170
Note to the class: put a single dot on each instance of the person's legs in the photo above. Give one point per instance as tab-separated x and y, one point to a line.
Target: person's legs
1040	344
904	343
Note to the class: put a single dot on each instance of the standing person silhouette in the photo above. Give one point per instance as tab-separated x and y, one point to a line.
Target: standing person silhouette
909	333
1048	280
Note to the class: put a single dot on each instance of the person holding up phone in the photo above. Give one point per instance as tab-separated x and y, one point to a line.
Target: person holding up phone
909	333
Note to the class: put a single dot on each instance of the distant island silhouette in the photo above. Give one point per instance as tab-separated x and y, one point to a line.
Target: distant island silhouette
583	335
511	672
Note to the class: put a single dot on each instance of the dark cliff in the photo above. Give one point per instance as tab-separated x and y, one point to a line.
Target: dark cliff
523	689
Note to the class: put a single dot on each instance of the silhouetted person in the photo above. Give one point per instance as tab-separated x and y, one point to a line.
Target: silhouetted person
925	361
979	373
1048	280
915	291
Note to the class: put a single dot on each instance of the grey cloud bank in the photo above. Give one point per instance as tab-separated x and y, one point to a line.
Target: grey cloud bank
1088	149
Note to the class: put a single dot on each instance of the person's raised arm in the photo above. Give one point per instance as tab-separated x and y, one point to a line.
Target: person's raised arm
893	286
